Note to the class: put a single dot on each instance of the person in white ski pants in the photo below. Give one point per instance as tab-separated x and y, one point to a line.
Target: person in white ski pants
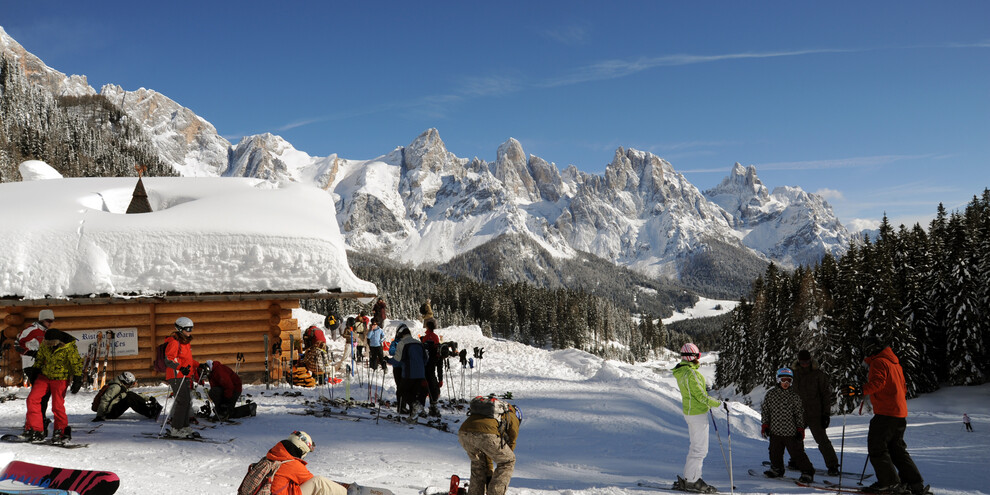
696	402
698	433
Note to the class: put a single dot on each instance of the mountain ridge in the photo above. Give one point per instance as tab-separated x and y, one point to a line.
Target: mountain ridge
423	205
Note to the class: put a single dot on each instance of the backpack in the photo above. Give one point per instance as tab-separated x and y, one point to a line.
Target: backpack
160	360
98	398
491	407
258	480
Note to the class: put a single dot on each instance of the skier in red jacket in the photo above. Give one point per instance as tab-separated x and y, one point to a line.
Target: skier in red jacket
895	470
225	389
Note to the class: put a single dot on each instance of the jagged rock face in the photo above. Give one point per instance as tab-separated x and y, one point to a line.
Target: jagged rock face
789	225
40	74
421	203
184	140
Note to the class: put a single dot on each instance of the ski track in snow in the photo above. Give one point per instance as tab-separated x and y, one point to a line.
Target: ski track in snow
590	427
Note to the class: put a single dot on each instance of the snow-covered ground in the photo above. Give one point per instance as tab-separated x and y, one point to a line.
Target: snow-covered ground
703	308
591	427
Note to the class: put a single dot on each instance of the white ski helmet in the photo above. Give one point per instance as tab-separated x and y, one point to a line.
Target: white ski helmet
127	378
690	349
302	441
183	324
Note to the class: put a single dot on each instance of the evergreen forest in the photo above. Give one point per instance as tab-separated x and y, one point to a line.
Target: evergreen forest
925	293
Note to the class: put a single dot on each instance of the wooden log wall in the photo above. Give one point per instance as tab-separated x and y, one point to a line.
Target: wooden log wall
221	331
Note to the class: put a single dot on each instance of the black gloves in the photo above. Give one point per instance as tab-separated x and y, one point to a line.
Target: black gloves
185	370
853	391
31	352
76	384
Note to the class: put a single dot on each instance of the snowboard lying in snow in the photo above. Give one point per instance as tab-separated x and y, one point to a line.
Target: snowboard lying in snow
81	481
367	490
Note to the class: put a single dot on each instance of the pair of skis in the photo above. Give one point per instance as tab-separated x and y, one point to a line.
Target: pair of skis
103	347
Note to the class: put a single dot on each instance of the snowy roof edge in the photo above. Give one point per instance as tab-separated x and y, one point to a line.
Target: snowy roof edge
180	297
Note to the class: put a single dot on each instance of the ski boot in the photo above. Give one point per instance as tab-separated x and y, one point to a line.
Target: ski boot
773	473
60	437
434	412
881	488
699	486
806	478
920	489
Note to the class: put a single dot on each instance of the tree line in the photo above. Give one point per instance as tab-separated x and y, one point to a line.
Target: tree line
925	293
551	318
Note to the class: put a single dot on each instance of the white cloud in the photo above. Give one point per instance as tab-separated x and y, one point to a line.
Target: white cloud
860	224
830	194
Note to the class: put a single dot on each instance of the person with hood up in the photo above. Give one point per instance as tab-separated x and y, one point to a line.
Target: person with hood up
293	477
179	375
379	312
696	403
56	363
782	416
894	468
116	398
817	396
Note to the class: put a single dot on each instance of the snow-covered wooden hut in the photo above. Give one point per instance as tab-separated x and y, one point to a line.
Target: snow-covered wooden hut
235	255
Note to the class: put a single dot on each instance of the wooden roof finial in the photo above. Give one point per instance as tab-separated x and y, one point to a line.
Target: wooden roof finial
141	169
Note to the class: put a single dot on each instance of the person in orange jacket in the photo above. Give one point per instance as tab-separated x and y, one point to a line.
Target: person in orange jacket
293	477
895	470
180	375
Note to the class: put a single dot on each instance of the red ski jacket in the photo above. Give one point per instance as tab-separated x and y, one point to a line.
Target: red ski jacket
222	376
885	386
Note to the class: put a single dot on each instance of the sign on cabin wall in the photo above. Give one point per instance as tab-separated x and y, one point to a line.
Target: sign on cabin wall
125	341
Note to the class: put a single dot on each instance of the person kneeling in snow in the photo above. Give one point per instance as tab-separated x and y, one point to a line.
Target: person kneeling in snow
115	399
293	477
783	422
225	389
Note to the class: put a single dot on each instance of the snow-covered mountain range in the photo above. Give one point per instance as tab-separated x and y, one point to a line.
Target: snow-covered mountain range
422	204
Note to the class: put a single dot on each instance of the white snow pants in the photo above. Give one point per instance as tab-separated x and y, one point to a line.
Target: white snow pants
698	433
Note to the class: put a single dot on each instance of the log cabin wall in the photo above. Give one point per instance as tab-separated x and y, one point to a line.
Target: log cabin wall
222	330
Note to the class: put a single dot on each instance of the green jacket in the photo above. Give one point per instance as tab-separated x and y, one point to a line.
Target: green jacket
481	424
694	393
115	393
59	363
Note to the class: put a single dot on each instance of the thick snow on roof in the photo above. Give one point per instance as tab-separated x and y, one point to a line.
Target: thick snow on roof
70	237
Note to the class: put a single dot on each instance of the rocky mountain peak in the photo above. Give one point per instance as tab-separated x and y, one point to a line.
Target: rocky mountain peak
40	74
512	169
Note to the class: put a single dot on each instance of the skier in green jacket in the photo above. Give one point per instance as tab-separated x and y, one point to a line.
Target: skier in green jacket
696	403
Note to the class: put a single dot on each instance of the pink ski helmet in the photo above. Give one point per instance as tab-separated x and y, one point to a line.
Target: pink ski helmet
690	349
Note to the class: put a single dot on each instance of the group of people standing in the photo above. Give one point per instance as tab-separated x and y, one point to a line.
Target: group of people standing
802	399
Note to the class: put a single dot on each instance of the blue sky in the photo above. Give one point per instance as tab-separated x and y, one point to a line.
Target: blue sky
880	106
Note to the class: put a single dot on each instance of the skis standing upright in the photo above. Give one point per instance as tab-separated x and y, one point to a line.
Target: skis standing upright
94	373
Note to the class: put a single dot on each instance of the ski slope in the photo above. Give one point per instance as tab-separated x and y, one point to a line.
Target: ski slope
590	427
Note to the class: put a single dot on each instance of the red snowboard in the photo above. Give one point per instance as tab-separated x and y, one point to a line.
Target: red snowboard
79	480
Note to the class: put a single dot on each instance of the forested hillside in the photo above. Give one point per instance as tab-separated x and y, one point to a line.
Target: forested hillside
83	136
926	293
557	318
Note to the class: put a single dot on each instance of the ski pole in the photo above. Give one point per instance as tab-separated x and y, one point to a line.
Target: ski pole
378	415
176	401
728	436
719	436
863	475
842	445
